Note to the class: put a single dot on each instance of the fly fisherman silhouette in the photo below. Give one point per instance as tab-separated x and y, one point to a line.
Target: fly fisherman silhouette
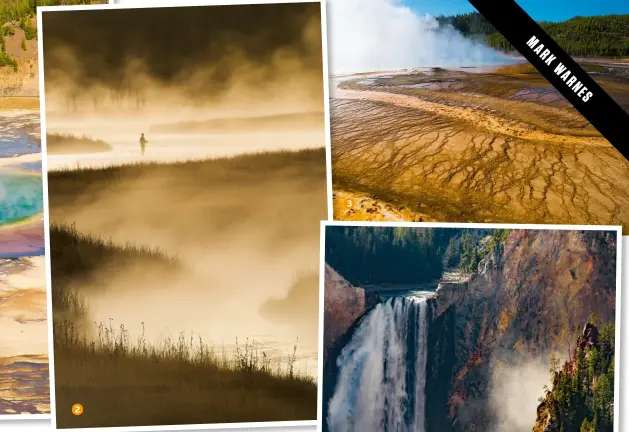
143	142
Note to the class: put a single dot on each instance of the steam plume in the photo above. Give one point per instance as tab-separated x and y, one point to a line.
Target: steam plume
378	35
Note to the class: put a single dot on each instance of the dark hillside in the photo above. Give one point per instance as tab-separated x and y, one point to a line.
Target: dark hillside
594	36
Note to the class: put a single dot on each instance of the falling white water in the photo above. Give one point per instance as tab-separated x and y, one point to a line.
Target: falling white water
382	371
420	367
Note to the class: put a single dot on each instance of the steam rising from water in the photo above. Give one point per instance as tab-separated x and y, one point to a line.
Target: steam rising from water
382	371
379	35
238	239
289	82
237	242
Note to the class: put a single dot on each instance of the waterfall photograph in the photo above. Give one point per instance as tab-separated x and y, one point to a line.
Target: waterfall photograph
453	328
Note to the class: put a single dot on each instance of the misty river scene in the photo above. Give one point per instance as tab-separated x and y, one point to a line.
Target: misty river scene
187	181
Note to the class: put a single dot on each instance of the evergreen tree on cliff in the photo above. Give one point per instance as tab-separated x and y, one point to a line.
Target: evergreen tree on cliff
582	395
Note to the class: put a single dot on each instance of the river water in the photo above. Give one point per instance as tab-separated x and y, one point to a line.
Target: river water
163	147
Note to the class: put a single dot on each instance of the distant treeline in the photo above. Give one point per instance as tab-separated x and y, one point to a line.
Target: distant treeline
367	255
68	144
372	255
595	36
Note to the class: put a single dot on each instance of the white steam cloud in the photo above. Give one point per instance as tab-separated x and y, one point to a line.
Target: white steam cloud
381	35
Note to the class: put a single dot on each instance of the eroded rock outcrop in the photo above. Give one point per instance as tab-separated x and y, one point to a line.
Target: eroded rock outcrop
343	305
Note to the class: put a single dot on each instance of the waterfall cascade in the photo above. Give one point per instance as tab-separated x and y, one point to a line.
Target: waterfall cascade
382	371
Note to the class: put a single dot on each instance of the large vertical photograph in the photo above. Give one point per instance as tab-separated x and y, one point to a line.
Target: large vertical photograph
24	388
186	179
436	117
458	328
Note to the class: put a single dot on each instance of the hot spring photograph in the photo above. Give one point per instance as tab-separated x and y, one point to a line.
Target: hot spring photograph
480	329
435	117
186	176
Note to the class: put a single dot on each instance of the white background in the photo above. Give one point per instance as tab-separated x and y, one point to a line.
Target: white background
42	425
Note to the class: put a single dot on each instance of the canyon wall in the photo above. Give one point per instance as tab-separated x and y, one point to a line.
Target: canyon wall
343	305
491	337
343	308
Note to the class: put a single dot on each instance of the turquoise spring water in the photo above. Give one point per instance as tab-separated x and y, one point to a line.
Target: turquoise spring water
21	196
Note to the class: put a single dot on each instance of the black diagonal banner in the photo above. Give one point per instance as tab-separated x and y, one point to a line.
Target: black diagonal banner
559	69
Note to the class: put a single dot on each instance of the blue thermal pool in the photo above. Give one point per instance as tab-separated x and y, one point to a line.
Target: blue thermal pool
21	196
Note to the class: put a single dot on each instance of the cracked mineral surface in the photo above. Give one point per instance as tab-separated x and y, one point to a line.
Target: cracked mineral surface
496	145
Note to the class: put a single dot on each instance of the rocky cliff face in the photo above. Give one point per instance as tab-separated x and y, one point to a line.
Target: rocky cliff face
343	308
343	305
529	299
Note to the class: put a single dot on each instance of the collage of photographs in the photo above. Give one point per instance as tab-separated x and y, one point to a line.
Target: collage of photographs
312	215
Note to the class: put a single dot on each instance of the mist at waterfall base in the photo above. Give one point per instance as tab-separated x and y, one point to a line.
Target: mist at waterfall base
385	35
382	371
